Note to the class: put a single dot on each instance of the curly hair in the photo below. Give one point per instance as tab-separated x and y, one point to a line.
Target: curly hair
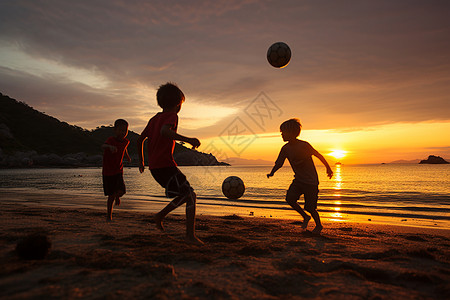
292	125
169	95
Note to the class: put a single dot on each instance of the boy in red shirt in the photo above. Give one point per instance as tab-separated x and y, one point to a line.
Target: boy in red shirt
161	132
114	149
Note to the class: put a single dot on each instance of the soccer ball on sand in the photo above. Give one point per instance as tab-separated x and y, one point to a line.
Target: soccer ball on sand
233	187
279	55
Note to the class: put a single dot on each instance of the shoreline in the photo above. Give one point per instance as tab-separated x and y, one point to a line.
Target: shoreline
140	204
243	257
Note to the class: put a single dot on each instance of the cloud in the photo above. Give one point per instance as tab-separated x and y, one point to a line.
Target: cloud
354	64
72	102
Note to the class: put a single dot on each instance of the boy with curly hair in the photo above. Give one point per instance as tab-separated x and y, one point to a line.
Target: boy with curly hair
161	132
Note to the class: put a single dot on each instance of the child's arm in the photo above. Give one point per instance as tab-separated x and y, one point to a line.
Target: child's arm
325	163
111	148
127	155
274	169
140	149
278	163
167	132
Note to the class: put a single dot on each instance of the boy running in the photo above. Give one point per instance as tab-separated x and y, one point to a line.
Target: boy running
299	154
114	149
161	132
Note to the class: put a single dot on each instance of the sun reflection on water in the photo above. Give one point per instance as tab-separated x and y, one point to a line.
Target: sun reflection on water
337	216
337	181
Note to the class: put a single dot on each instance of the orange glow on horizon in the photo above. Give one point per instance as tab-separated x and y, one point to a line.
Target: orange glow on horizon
380	144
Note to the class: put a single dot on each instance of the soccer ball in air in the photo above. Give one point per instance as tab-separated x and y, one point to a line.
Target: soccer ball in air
279	55
233	187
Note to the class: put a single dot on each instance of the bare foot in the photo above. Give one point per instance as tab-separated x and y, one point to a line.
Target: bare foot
117	201
109	219
158	222
305	222
194	240
317	230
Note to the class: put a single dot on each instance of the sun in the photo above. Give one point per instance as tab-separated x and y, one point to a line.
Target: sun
338	154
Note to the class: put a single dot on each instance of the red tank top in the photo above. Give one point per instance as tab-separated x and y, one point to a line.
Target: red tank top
112	162
160	149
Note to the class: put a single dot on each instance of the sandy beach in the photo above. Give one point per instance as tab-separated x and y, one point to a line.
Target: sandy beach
243	258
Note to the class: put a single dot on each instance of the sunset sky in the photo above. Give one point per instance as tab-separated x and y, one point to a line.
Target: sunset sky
369	80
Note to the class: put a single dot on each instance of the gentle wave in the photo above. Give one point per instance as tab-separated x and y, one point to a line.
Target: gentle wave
413	192
414	212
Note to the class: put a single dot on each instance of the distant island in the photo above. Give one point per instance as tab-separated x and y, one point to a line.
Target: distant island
29	138
432	159
403	161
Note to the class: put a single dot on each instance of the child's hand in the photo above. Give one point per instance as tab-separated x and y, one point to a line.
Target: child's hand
194	142
329	173
112	148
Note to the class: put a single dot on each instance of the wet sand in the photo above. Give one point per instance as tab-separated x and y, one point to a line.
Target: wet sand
243	258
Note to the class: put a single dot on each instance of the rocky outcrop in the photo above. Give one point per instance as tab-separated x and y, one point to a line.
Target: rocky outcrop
5	132
33	159
434	160
52	143
27	159
189	157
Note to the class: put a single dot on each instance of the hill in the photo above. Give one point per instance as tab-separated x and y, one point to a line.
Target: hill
434	160
23	128
32	138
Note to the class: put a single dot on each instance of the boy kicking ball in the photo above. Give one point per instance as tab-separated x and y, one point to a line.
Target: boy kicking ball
299	154
161	132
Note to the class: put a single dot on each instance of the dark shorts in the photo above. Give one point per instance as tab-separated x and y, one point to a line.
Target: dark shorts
114	184
310	193
173	181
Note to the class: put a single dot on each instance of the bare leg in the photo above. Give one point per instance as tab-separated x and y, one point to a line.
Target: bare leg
117	202
190	200
305	222
109	206
299	209
190	221
316	218
159	217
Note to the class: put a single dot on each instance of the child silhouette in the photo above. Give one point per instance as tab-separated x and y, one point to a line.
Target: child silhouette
114	149
161	132
299	154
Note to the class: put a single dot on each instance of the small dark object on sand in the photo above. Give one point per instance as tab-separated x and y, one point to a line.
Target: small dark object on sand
34	246
232	217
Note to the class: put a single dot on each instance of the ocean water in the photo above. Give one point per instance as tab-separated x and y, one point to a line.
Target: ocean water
398	194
